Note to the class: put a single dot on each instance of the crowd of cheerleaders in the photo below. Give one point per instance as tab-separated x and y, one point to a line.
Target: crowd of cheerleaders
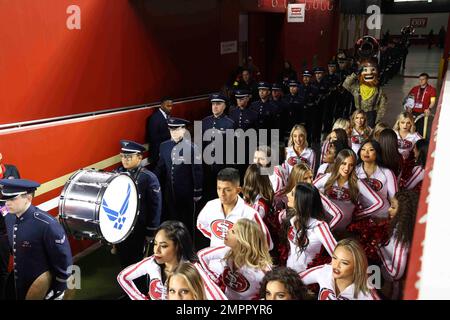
294	237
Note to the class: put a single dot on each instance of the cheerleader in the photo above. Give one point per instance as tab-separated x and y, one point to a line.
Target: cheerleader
244	260
345	278
343	188
414	182
390	157
218	216
297	150
278	177
360	131
328	161
394	254
380	126
338	134
406	133
282	283
185	283
172	245
308	231
257	190
381	180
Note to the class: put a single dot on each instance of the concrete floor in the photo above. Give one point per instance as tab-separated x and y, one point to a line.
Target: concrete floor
419	60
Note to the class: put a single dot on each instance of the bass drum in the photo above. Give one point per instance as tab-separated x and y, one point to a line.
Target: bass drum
99	205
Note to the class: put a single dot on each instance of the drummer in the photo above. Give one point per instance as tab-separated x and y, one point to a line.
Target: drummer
132	249
40	247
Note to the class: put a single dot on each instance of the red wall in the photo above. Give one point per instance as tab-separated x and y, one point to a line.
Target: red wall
126	53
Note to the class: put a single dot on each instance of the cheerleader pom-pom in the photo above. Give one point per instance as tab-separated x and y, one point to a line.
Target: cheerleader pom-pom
371	235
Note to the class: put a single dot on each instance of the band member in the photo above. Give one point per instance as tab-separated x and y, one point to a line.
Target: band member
394	254
131	250
219	215
241	263
298	151
172	246
7	171
308	230
282	283
382	180
41	250
344	189
360	131
345	278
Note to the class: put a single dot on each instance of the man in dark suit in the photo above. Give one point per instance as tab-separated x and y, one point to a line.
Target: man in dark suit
157	130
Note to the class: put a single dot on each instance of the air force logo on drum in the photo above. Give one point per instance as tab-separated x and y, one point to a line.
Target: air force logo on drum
118	217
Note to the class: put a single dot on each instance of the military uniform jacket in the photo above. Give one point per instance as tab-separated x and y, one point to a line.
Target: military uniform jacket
150	197
377	102
181	167
39	244
323	89
157	132
333	81
311	94
243	118
266	111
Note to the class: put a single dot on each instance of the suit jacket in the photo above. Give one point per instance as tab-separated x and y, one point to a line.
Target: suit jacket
157	132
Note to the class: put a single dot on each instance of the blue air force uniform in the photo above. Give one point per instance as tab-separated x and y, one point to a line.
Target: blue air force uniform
131	250
244	118
295	104
218	125
38	243
157	133
180	167
311	94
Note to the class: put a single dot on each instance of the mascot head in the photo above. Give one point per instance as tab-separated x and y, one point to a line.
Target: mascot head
369	73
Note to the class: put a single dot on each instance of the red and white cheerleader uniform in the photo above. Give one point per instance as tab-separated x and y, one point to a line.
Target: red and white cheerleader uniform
369	201
414	182
323	276
318	235
240	284
157	289
406	145
214	225
307	156
382	181
357	139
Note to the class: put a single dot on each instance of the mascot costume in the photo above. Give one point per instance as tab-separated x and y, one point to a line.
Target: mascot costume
364	85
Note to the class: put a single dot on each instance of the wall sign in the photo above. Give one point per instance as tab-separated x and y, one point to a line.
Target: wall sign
296	12
418	22
228	47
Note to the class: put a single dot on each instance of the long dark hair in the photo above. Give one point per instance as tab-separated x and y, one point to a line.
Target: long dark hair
422	148
377	147
177	232
289	278
390	156
307	205
404	221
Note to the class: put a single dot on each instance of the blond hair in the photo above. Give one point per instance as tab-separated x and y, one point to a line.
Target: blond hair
297	175
190	274
359	262
342	123
252	249
380	126
402	116
366	128
302	130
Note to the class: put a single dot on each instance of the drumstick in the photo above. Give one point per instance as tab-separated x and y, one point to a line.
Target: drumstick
425	126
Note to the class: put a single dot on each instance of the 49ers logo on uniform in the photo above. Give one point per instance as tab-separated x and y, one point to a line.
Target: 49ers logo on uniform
338	193
235	281
404	144
327	294
296	160
156	289
374	184
220	228
357	139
